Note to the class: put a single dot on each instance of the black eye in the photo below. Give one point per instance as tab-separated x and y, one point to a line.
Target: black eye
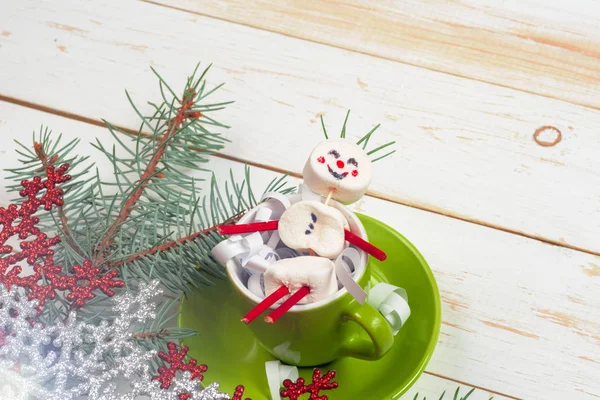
334	153
352	161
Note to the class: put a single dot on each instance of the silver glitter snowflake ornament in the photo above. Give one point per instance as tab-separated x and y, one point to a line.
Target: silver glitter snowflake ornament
70	360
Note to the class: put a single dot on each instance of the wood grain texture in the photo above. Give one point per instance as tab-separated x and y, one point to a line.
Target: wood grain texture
519	316
431	387
544	47
465	148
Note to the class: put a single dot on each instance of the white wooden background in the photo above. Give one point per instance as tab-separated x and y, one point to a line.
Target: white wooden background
510	228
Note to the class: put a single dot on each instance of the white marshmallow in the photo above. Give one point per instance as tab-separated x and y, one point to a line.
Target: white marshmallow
311	225
317	273
340	165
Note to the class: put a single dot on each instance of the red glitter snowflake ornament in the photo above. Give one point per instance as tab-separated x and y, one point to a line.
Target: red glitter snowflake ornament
19	220
176	359
239	392
293	390
89	279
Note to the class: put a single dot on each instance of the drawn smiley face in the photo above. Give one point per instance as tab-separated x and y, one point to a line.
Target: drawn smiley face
339	165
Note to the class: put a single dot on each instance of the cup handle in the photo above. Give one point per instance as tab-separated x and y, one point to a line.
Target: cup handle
376	326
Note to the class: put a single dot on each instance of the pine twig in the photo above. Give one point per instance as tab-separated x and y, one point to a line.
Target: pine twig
151	335
43	157
169	245
173	125
455	397
64	222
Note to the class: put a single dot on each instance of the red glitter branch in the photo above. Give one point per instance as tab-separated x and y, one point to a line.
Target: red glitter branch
47	278
293	390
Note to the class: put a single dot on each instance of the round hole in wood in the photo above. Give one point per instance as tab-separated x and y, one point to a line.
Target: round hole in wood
549	136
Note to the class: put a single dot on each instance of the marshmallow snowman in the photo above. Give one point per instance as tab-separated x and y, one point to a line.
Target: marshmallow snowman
341	166
311	225
317	273
336	169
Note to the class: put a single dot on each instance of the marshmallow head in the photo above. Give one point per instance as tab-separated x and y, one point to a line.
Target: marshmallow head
340	165
311	225
317	273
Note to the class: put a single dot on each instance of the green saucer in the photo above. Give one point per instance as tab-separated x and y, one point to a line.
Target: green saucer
234	357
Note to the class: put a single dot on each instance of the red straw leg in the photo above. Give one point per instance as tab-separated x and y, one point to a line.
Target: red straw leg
265	304
286	305
364	245
248	228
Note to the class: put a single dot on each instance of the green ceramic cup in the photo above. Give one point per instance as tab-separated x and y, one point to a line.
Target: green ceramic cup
317	333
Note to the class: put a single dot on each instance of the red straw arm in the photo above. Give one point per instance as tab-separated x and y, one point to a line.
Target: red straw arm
286	305
248	228
364	245
265	304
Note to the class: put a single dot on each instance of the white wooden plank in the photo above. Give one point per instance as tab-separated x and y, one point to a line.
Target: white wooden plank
519	316
465	148
544	47
430	387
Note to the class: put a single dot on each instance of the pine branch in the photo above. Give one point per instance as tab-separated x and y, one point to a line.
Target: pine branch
170	245
64	225
455	397
147	219
192	246
174	124
151	335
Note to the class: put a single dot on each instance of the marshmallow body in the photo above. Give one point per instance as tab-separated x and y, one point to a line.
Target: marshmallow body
340	165
311	225
317	273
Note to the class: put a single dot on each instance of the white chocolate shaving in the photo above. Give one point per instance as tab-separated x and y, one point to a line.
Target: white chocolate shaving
276	374
263	214
344	273
255	285
392	303
256	252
